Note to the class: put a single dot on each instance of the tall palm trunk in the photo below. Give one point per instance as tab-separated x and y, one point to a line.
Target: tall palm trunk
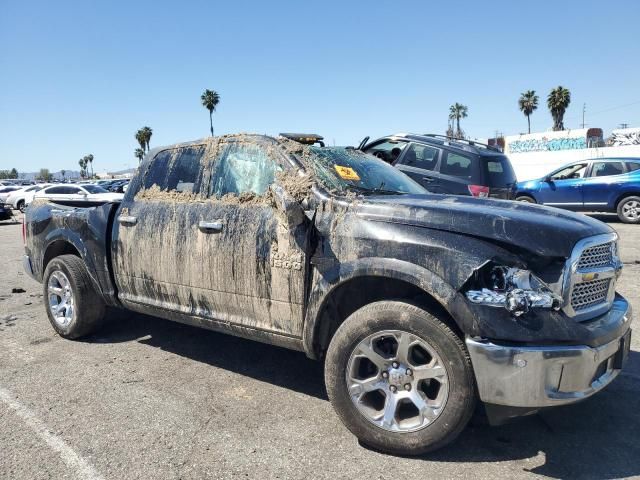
529	123
211	121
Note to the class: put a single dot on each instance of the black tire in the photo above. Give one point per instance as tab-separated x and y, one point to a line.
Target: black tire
20	206
525	198
89	308
397	315
626	202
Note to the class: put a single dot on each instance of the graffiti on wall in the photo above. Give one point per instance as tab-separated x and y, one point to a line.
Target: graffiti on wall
621	138
545	144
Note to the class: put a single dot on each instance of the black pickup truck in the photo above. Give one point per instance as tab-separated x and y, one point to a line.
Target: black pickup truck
419	304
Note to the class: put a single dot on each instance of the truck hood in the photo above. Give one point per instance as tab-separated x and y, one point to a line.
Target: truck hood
545	231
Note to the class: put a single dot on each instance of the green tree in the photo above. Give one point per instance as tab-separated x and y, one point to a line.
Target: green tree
456	112
63	172
558	100
210	100
13	173
44	175
528	103
139	154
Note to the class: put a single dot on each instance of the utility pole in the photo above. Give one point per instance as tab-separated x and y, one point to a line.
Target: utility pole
624	125
584	109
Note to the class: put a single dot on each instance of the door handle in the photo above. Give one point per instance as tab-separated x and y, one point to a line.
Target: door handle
127	220
211	227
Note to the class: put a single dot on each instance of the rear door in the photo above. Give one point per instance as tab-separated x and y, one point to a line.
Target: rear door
420	162
155	234
600	188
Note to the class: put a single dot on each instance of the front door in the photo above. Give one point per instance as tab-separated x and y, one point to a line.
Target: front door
563	188
253	263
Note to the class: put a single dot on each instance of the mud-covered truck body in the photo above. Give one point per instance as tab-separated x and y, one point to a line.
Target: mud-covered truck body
419	304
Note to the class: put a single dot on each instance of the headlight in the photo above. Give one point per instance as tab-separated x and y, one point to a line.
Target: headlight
515	289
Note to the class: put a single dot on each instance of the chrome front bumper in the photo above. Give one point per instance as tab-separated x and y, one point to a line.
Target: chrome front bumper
537	377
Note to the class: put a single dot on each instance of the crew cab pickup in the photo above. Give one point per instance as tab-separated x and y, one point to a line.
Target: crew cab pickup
419	304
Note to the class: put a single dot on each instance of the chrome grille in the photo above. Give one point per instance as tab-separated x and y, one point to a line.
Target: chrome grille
589	294
596	256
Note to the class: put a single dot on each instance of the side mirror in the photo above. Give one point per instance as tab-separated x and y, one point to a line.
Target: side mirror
548	179
289	206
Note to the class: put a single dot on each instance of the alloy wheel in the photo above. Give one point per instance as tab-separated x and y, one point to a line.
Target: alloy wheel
61	301
397	381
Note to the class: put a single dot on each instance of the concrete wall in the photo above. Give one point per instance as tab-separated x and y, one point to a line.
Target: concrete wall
537	164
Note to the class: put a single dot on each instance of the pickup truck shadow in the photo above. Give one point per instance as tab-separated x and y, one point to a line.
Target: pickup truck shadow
597	438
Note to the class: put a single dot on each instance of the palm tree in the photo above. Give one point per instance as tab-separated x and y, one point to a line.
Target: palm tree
146	135
140	139
558	100
139	154
83	166
528	102
89	159
210	100
456	112
63	172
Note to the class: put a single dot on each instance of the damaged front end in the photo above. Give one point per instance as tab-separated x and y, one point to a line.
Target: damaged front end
515	289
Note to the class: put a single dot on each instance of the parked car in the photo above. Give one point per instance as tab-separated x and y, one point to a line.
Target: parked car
597	185
77	193
444	165
5	191
5	212
18	198
118	186
418	303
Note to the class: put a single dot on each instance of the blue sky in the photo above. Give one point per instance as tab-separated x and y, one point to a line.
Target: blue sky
82	77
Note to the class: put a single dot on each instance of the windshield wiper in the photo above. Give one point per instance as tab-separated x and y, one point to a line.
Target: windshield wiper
375	191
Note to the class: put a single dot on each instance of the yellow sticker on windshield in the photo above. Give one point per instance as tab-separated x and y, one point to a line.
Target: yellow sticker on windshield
347	173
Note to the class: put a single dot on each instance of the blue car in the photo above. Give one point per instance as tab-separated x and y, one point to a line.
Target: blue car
597	185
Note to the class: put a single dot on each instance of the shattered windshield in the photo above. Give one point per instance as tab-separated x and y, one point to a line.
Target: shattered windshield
346	169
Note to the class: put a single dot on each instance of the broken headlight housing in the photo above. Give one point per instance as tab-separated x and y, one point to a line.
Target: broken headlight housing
515	289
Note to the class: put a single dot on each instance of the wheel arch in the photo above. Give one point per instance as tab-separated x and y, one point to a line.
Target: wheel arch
623	195
65	242
526	194
338	294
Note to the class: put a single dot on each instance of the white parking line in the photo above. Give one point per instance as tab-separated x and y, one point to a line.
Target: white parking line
74	461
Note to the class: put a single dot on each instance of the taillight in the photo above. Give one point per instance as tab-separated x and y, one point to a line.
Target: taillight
478	191
24	232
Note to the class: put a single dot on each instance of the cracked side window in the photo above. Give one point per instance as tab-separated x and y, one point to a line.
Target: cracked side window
178	169
242	168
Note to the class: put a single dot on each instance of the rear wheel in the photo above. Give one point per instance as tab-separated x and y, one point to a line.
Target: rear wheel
399	378
21	206
629	210
525	198
74	308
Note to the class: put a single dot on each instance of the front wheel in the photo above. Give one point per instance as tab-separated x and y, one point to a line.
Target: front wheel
399	378
525	198
21	206
629	210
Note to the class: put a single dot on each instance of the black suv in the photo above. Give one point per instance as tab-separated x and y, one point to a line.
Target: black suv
445	165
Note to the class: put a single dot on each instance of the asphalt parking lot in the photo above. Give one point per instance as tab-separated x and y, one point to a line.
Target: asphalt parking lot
147	398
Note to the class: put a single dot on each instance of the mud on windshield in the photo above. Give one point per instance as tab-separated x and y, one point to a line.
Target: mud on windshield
347	170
